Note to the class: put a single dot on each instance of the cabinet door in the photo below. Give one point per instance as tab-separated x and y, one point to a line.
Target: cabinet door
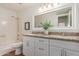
71	53
41	47
55	51
28	46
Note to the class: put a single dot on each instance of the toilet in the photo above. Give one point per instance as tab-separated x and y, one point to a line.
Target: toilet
18	48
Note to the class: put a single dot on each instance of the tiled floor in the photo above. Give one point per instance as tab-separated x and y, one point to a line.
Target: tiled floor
12	54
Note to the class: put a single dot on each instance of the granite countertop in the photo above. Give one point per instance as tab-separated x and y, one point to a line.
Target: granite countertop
61	37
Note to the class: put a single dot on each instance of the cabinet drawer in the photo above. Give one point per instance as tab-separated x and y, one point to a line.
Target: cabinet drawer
65	44
37	46
26	37
41	51
41	41
57	42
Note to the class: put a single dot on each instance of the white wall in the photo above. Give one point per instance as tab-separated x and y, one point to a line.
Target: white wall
8	31
34	11
26	16
77	23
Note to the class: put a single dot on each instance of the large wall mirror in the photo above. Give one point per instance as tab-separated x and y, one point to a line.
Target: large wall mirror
61	18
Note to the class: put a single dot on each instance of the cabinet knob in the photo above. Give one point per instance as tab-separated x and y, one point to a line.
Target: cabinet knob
41	49
41	40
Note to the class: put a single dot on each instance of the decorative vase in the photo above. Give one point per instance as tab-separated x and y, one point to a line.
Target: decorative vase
46	32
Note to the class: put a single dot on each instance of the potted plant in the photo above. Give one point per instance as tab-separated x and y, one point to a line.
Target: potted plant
46	24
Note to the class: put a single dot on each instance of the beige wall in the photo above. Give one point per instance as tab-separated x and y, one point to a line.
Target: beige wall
8	31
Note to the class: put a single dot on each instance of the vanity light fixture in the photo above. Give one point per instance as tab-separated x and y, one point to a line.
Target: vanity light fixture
46	7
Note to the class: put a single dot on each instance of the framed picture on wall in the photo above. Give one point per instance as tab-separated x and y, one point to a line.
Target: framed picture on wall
27	25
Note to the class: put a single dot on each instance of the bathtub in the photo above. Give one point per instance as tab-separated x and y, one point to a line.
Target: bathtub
8	48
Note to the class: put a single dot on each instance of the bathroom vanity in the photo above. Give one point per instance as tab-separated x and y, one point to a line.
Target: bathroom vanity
50	45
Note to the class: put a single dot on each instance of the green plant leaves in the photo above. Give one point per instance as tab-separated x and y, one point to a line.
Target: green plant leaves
46	24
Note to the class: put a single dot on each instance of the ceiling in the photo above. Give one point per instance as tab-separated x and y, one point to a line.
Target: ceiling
19	6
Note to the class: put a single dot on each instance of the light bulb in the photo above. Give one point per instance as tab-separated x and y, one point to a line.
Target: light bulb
55	4
40	9
49	6
4	22
44	8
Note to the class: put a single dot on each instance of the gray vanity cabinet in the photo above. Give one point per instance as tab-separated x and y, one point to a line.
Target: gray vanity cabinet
35	46
28	46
